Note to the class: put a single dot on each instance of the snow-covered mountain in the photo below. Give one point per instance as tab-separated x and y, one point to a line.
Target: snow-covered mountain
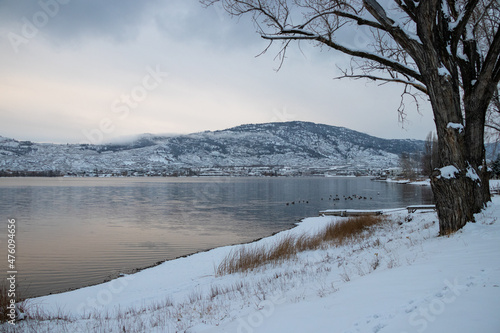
288	147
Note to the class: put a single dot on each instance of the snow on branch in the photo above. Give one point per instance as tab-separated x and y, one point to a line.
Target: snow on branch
298	31
457	28
359	20
411	42
472	174
378	12
290	37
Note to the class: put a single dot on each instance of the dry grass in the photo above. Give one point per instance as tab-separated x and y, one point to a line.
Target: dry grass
250	257
336	234
353	228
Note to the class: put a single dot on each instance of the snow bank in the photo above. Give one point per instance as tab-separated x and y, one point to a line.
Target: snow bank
426	182
401	278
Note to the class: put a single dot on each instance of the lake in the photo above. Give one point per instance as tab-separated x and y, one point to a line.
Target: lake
74	232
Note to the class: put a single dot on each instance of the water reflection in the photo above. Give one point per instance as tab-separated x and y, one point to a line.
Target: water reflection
74	232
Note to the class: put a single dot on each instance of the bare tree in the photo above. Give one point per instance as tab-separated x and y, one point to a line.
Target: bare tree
446	49
408	162
430	157
493	118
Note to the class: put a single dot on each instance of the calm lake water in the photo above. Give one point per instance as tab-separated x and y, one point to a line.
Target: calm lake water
73	232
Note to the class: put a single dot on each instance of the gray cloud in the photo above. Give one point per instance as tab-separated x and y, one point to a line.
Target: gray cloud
121	21
89	53
74	19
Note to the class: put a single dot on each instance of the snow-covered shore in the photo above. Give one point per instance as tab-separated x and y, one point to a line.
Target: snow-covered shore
402	278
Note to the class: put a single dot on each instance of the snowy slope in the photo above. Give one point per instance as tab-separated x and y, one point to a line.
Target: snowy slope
403	278
293	144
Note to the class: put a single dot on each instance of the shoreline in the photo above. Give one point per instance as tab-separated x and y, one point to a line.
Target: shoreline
380	281
116	275
292	226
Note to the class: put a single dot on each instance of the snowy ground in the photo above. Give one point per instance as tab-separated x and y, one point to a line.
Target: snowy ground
403	278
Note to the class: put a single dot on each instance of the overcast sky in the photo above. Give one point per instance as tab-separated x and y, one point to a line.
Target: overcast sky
93	71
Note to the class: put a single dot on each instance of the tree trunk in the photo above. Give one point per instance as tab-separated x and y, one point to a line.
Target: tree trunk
454	198
461	183
457	182
475	111
453	188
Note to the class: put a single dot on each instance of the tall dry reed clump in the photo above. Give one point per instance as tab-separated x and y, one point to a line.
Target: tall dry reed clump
336	234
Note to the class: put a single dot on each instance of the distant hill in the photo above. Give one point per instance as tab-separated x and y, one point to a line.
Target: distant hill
292	146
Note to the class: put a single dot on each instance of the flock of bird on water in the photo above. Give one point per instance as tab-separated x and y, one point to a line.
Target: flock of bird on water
336	198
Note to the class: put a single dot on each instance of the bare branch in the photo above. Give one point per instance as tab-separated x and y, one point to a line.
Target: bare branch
359	20
416	85
294	37
490	73
303	35
409	8
378	12
398	67
402	105
298	31
492	126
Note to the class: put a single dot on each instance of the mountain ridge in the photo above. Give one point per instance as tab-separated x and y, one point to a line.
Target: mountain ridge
295	145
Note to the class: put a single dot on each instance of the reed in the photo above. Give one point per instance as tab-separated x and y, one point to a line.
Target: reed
247	258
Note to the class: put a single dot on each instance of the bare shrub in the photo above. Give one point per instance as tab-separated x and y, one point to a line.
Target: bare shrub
344	276
376	262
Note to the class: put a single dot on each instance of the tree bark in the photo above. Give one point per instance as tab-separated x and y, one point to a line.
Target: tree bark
462	194
475	110
458	195
476	152
451	195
